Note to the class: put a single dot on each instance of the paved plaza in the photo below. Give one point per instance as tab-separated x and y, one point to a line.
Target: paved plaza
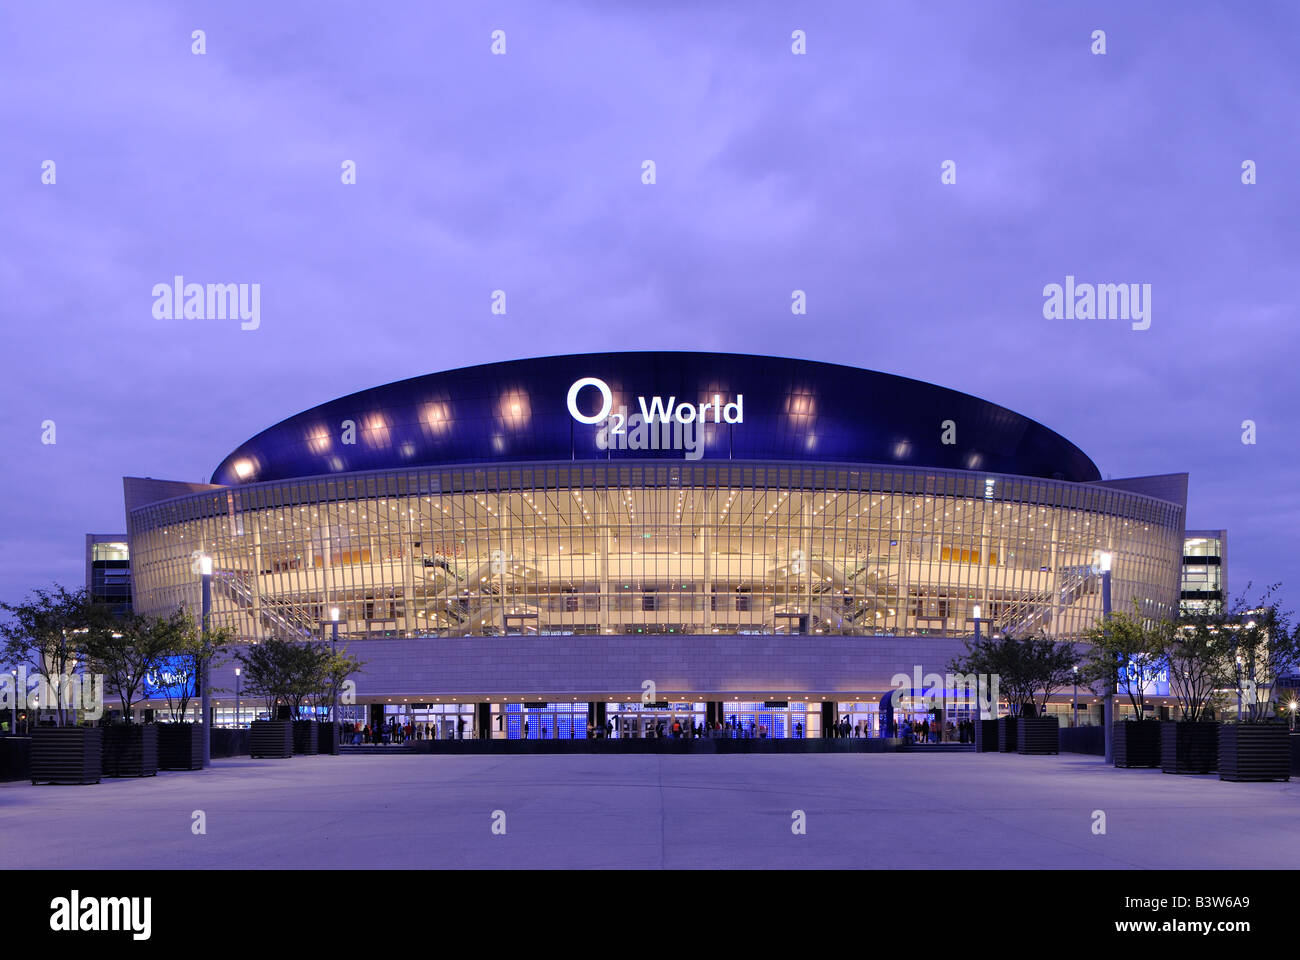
648	811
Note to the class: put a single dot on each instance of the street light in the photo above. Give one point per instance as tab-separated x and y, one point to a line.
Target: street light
205	574
1239	688
334	690
1075	668
1254	652
1103	564
1292	705
237	698
13	725
974	692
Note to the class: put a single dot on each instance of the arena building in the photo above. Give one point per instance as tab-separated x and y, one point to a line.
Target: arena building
743	536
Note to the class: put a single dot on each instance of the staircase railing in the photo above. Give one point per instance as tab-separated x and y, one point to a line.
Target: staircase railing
287	624
1029	613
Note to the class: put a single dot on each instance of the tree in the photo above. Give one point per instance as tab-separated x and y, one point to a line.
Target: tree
296	674
130	650
49	631
269	668
306	674
1126	650
1266	650
1028	670
191	647
1199	654
334	670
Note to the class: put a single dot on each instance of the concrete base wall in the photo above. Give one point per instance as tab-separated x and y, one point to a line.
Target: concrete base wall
589	667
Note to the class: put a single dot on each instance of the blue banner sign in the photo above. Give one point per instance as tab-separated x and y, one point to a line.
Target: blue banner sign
1151	677
171	679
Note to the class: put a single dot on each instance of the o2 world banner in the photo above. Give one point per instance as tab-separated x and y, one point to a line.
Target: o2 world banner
1149	676
170	679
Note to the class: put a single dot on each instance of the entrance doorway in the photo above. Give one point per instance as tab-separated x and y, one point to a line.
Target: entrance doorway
639	721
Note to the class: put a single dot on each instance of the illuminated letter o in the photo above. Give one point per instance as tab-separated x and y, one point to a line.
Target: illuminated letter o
606	406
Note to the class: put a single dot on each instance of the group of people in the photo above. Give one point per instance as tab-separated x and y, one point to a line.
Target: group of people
676	729
394	732
924	730
930	730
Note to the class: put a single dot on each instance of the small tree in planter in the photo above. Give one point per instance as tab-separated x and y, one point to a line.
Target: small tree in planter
988	657
267	668
306	665
48	631
126	652
1125	651
1047	666
1197	655
1266	648
1029	671
332	672
269	672
188	648
306	677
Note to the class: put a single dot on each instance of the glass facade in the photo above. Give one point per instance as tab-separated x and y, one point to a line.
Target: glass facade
108	572
1204	575
658	548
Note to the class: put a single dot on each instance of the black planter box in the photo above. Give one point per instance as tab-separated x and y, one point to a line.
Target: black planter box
1189	746
305	737
67	754
15	758
986	736
1007	734
1038	735
1254	751
180	746
270	738
130	750
326	741
1136	743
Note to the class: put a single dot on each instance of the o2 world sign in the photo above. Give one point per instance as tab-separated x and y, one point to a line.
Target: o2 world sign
660	425
656	409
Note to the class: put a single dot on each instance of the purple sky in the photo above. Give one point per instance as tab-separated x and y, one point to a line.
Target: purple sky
522	172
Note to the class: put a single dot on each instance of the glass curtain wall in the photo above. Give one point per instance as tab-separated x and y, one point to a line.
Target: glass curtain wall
659	549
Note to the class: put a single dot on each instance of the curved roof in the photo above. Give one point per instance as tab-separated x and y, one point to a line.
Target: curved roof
791	410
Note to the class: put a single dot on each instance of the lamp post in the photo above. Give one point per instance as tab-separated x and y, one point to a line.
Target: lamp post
13	724
1254	653
975	713
1075	701
1292	706
205	573
1239	688
1108	718
334	690
333	645
236	698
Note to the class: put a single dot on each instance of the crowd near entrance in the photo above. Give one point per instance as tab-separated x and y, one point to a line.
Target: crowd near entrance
914	719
